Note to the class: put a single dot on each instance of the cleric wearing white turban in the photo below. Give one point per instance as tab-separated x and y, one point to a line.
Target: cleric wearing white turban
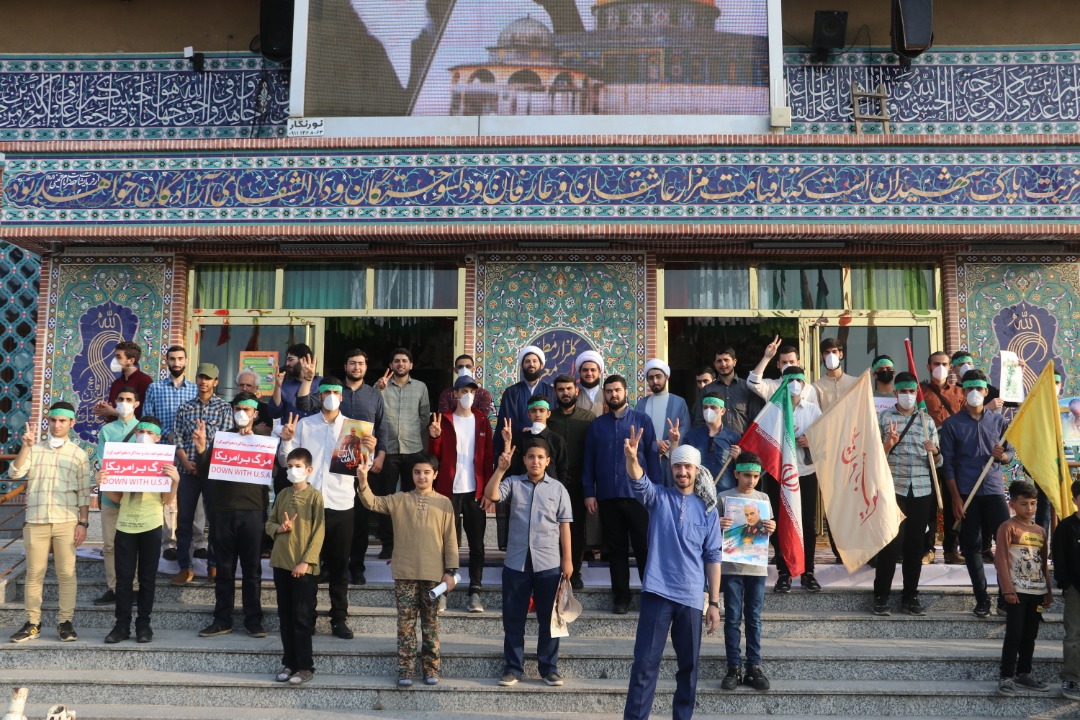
669	413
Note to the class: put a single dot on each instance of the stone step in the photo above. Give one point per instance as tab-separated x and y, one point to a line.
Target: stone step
168	712
596	625
201	591
466	656
366	694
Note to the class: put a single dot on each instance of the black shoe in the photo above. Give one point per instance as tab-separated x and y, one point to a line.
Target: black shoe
620	608
214	629
144	634
107	598
169	554
118	634
201	554
340	629
357	578
810	583
912	606
29	631
881	606
576	582
387	552
982	608
732	679
66	631
988	557
255	631
323	578
755	678
783	584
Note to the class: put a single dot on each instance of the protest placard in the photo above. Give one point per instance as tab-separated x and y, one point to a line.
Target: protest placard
265	364
135	467
349	449
746	540
243	458
1011	382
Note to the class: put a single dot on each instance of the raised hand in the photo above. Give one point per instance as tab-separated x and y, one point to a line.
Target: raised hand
287	523
506	457
29	436
381	383
507	432
630	445
288	430
279	378
771	348
361	474
435	428
893	437
198	435
673	431
307	368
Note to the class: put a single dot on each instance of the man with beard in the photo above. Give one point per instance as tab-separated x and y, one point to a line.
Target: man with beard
786	356
292	393
623	520
668	412
408	413
590	368
740	400
163	399
571	423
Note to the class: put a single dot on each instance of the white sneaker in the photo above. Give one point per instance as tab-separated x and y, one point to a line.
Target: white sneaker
474	605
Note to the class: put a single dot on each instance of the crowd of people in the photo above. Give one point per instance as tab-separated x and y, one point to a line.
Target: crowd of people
567	466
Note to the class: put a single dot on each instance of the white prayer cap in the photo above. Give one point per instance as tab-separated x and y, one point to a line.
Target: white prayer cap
532	349
657	364
589	356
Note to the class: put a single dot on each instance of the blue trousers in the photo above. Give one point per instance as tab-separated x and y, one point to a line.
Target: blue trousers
517	588
743	597
658	616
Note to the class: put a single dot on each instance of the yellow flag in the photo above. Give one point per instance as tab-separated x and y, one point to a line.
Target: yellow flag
1035	432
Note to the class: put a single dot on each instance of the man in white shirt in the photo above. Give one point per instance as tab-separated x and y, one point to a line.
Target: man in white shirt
318	434
786	356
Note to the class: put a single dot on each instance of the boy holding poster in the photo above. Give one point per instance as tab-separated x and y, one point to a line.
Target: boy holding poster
297	525
743	583
138	542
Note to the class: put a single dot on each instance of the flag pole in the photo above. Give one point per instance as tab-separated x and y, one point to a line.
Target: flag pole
930	457
978	484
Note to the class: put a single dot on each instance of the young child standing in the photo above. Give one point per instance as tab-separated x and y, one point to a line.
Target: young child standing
138	542
743	584
1065	549
297	525
1025	584
425	554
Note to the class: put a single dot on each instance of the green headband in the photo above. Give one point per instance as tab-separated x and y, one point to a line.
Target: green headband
796	376
329	388
62	413
747	467
883	361
974	384
152	427
962	359
718	402
254	404
540	402
1057	378
906	385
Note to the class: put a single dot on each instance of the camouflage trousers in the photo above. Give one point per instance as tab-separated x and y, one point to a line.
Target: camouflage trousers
412	599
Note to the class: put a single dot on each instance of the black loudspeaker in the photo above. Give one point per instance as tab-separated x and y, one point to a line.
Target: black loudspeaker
275	29
912	26
830	29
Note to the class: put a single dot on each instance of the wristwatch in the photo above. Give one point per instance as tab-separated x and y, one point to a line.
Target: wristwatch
448	571
715	604
84	524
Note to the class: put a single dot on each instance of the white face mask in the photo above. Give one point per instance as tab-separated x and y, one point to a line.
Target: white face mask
331	402
975	397
125	410
905	400
115	365
962	370
940	372
55	442
145	439
711	415
297	474
241	418
537	428
464	372
832	361
795	388
466	401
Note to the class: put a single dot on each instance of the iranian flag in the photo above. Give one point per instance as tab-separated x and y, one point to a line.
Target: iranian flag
772	437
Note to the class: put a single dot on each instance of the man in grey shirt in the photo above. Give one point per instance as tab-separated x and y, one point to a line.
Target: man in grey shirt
740	400
407	410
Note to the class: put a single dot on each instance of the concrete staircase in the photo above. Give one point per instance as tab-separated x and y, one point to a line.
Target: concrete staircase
825	655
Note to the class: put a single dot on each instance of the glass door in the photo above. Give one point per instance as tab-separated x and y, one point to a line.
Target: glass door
220	340
866	336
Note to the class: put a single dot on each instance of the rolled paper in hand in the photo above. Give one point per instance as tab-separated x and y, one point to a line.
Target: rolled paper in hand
441	588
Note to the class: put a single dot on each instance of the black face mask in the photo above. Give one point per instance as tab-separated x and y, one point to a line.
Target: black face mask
885	376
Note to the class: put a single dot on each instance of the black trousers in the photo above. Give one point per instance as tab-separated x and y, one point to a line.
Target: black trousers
360	539
474	522
296	613
950	539
1021	630
808	489
908	544
337	544
984	516
237	537
624	522
577	527
136	553
396	468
